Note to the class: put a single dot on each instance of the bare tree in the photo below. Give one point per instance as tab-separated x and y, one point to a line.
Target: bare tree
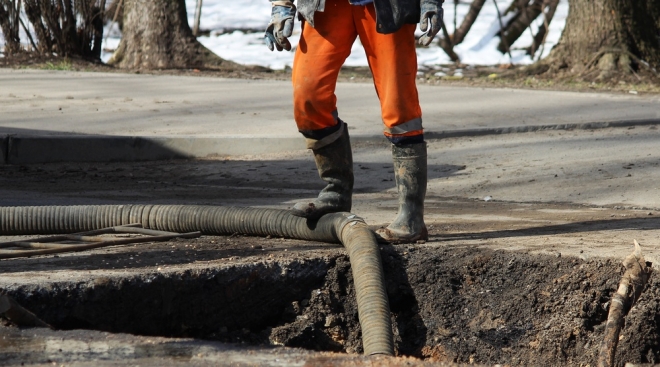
66	28
448	42
156	35
9	23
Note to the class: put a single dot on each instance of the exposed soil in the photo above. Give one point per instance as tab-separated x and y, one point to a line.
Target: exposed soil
464	305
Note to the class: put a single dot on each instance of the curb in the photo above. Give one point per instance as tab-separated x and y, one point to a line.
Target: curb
533	128
28	149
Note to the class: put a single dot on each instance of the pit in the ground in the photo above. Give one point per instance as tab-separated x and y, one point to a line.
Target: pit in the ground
464	305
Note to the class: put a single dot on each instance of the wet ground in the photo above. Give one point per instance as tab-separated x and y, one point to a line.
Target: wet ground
527	232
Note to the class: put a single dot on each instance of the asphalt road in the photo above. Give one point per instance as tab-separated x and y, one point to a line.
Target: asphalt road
99	116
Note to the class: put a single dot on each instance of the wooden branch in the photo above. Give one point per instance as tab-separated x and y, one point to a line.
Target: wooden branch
33	12
455	14
198	16
10	27
502	38
51	17
114	18
27	31
446	44
17	314
630	288
468	21
517	27
542	34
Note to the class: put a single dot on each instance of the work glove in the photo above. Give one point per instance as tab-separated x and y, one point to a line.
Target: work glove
430	20
280	26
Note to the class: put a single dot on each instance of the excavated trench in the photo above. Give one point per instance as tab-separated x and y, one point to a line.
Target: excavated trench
465	305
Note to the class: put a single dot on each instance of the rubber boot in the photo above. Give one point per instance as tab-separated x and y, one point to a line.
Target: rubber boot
335	164
411	177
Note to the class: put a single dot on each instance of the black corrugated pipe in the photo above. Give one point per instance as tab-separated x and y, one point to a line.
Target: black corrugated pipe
346	228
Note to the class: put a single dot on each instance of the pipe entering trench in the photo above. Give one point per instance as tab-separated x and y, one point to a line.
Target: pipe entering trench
345	228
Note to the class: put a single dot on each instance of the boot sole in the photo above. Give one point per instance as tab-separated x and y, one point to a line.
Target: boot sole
385	235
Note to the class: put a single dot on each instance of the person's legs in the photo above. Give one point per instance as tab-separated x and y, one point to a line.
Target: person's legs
321	52
393	62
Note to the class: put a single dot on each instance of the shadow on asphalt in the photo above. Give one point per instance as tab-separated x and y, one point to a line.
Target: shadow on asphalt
639	224
214	181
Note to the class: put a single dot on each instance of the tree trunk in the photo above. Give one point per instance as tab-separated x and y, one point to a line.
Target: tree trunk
468	21
156	35
608	36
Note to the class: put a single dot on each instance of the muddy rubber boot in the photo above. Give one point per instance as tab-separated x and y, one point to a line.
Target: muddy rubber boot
411	177
335	165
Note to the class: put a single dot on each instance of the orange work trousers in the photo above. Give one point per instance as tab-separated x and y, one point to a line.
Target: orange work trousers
322	51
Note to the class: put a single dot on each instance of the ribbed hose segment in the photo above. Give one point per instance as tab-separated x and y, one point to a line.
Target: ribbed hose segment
364	254
230	220
175	218
369	279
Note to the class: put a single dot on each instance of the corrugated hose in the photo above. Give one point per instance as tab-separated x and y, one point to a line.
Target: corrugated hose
345	228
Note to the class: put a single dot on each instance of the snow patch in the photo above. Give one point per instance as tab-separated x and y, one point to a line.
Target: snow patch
243	45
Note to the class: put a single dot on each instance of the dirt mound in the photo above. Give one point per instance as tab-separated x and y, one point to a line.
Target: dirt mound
491	307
